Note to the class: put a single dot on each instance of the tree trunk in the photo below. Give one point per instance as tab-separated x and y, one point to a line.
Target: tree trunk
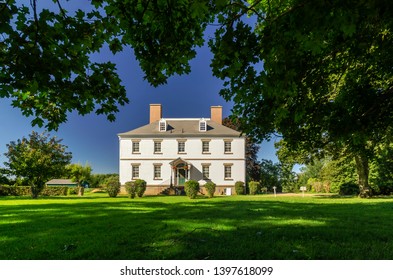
81	190
363	172
35	189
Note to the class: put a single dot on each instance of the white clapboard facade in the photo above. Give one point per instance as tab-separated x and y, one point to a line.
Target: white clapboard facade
167	152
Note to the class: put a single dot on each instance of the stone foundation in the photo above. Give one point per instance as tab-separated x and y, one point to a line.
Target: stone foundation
220	190
150	190
158	190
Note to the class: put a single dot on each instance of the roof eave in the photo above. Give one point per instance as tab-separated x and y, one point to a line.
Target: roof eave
174	135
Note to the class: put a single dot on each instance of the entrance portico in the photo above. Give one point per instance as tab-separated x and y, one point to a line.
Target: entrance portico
180	172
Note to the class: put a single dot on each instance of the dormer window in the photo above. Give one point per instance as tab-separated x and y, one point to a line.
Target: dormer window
162	125
202	125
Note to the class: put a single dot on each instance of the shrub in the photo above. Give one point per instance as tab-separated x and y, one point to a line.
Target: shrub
335	188
113	187
382	190
22	190
140	187
314	185
386	190
239	187
14	190
264	190
131	189
54	191
349	189
255	187
290	187
3	191
191	188
72	191
210	187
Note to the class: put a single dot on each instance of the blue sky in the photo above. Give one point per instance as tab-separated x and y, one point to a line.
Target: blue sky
93	138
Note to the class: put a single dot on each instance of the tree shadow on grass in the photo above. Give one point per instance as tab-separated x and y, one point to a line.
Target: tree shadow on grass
336	196
29	198
178	228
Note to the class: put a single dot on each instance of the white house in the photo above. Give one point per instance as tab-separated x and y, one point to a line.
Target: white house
167	152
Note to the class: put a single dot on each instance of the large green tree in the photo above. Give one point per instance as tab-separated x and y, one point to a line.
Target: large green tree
99	180
45	61
327	174
316	72
46	67
37	158
270	175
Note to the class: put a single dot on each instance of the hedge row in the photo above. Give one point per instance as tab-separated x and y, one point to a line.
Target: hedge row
54	191
25	190
14	191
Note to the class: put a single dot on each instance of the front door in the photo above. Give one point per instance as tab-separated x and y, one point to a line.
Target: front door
181	179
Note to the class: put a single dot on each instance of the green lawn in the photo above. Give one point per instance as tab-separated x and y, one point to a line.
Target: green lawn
238	227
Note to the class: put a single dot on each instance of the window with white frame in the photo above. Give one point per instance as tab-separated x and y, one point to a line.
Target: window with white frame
205	171
227	172
135	146
157	171
162	125
181	146
157	146
227	146
202	125
205	146
135	171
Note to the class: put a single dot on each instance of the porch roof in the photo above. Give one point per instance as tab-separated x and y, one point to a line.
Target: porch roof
178	161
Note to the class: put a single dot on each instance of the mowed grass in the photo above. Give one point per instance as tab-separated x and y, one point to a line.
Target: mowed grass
175	227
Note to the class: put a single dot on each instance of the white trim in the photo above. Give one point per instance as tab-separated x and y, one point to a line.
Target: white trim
186	119
185	158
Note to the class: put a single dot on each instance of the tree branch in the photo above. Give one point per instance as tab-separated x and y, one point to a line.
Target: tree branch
61	9
247	9
33	4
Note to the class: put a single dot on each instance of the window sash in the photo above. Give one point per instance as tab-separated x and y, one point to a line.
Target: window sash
202	126
181	147
227	172
135	147
135	171
157	171
162	126
205	172
157	147
205	146
227	147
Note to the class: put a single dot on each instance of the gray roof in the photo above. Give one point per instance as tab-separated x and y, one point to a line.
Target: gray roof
182	128
60	182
